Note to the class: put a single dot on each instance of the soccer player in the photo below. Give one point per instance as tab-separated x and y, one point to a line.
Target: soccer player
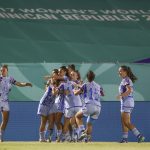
77	103
72	105
127	103
45	110
59	101
52	112
92	92
6	83
70	69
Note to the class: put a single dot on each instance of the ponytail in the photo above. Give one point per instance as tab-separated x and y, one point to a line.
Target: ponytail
129	73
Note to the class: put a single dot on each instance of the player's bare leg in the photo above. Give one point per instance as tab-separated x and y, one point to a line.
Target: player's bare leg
5	118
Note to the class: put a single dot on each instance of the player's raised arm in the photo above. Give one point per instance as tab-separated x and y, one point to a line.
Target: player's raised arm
23	84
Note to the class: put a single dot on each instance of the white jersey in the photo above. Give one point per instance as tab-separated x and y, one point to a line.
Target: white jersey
76	98
48	98
69	103
92	93
71	100
127	102
122	87
5	87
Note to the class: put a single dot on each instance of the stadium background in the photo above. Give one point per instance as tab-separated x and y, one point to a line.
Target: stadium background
33	47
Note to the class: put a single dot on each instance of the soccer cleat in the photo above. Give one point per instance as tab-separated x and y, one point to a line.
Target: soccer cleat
1	139
58	139
83	136
141	139
75	138
68	138
49	139
124	140
89	138
42	140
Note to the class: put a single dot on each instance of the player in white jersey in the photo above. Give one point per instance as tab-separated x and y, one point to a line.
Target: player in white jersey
59	102
46	109
75	81
6	83
70	69
92	93
127	103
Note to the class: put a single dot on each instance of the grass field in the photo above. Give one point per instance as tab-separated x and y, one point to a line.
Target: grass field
73	146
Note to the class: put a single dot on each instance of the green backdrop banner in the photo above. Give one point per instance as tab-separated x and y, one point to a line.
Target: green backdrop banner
74	30
106	75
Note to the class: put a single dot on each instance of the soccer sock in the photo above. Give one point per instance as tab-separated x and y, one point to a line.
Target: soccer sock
59	132
42	135
50	132
1	134
67	137
80	130
125	135
74	130
136	132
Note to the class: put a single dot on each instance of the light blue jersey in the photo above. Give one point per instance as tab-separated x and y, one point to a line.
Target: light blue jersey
69	99
48	98
59	101
5	87
91	93
76	98
122	87
127	103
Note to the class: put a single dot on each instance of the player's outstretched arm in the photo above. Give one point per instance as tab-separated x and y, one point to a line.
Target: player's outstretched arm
23	84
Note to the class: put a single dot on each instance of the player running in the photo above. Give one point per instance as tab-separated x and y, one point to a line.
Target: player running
92	93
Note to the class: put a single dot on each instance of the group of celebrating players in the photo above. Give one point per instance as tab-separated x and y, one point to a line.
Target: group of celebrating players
67	98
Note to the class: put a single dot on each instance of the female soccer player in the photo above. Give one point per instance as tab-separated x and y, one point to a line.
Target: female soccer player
70	69
6	83
59	101
77	103
127	103
92	92
72	105
45	110
52	113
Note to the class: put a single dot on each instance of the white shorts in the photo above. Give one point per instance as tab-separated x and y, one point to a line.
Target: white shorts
4	106
43	110
91	110
53	109
127	105
71	112
126	109
59	105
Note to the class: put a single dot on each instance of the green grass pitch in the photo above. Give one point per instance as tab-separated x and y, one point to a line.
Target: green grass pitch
73	146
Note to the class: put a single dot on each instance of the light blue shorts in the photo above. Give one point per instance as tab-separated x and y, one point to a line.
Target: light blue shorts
4	106
71	112
127	105
43	110
91	110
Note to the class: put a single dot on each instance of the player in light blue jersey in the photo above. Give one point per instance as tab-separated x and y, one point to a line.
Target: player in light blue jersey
92	93
6	83
77	103
59	102
52	113
70	69
127	103
45	110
